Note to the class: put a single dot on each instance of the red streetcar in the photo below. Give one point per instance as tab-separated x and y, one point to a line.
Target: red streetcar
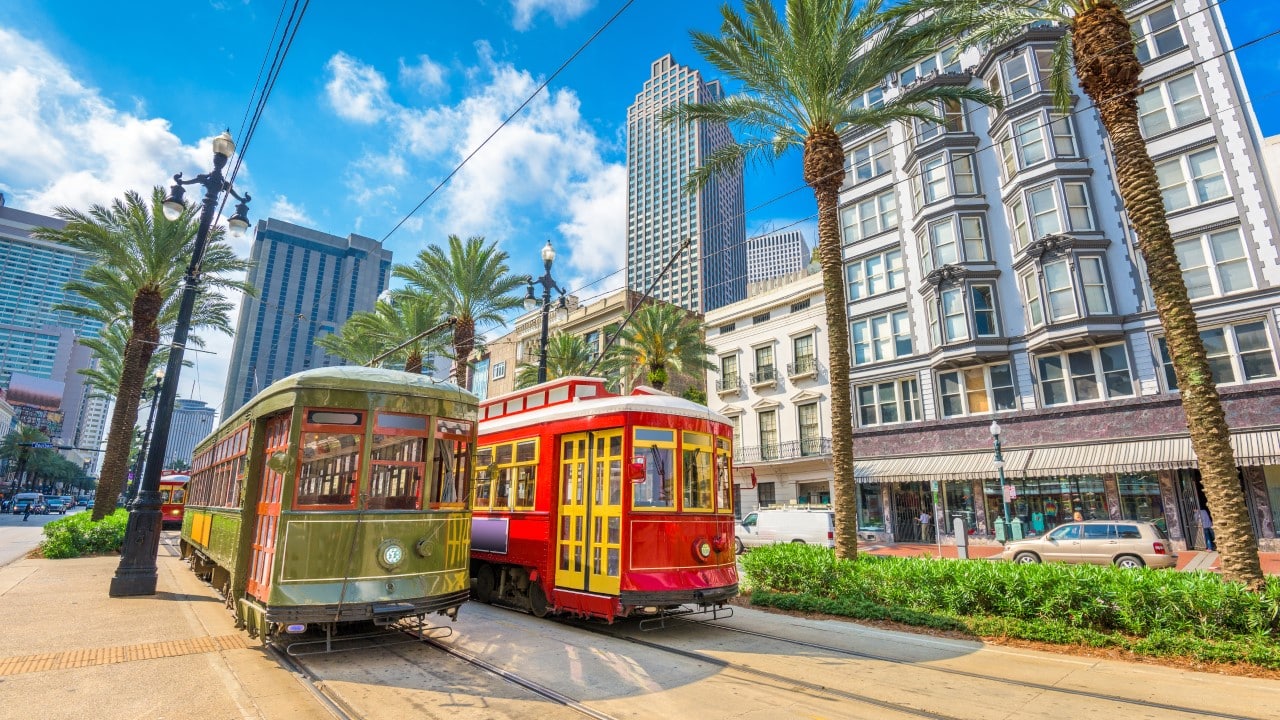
173	497
600	505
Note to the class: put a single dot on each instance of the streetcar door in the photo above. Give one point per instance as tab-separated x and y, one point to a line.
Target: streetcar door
571	534
266	524
605	513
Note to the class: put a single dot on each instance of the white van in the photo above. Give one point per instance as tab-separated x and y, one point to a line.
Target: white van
815	525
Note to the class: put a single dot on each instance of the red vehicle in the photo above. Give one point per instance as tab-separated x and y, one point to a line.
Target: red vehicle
173	497
600	505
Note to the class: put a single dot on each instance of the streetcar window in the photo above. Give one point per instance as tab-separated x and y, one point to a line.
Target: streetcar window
657	489
329	469
724	481
697	471
164	496
484	477
329	417
397	470
450	472
179	494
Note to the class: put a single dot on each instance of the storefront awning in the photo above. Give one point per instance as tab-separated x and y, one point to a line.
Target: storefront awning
927	468
1253	447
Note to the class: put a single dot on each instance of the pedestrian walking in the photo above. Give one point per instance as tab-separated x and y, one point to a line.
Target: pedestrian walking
926	521
26	511
1206	524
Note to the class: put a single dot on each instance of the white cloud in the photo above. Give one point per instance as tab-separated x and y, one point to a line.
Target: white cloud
561	11
426	76
542	176
356	91
282	209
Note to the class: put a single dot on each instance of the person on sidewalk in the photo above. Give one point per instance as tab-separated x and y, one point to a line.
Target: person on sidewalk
1206	524
926	521
26	511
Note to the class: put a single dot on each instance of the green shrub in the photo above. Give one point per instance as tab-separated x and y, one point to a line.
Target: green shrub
1153	612
77	535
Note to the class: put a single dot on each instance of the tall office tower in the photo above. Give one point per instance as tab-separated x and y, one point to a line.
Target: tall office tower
309	282
660	215
192	422
37	342
776	254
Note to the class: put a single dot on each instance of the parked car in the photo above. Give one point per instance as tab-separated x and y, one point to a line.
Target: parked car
68	501
55	504
22	500
798	524
1124	543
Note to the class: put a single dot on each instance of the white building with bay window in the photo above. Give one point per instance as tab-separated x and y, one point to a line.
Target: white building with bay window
991	274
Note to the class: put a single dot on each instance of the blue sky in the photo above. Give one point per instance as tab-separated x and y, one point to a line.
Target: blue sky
377	102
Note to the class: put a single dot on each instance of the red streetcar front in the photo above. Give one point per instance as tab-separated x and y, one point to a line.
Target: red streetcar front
173	497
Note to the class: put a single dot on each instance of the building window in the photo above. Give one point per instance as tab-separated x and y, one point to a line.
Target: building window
1057	283
892	401
1023	75
499	370
870	160
870	217
768	420
949	318
1214	264
761	318
1058	290
952	114
1084	375
810	431
1170	104
931	182
945	249
1158	34
727	328
1191	179
729	379
881	337
1237	353
800	306
948	60
806	360
764	364
872	99
1038	211
977	390
1097	300
982	299
874	275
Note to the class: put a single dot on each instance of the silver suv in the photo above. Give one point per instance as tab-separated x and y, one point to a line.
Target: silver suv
1125	543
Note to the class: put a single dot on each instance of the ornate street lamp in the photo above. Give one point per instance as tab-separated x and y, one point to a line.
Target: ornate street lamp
1004	490
146	435
136	574
531	302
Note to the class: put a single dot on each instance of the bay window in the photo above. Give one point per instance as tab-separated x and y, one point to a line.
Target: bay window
977	390
888	402
881	337
1237	353
1050	209
942	176
1170	104
1082	375
870	216
1063	287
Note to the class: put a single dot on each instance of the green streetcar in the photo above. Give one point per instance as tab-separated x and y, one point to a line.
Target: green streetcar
337	495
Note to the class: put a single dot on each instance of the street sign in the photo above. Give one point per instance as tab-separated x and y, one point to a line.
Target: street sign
42	445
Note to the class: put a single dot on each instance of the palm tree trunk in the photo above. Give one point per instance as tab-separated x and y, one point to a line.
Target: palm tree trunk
137	356
1110	77
413	363
824	171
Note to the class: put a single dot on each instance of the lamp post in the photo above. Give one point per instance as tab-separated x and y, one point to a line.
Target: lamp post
530	302
999	463
136	574
146	435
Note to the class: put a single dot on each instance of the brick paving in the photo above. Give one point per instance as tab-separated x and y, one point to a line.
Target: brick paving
85	657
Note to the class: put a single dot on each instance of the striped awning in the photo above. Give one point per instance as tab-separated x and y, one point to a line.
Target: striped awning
1252	447
927	468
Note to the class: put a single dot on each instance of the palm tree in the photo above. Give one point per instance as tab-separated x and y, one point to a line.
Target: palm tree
403	316
16	446
567	355
1099	43
140	258
662	338
803	78
473	281
351	344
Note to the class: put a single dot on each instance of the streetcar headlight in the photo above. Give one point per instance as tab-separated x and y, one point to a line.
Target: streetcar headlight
390	554
702	549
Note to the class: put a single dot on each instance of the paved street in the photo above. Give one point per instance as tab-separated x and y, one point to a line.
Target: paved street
17	538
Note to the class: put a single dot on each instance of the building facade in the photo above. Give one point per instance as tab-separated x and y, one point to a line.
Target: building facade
192	422
991	275
39	341
776	254
772	381
661	216
309	282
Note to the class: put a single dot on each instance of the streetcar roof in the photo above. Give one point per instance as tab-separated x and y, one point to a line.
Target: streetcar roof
584	408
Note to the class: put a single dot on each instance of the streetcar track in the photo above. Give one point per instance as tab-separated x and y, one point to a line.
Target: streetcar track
972	675
312	682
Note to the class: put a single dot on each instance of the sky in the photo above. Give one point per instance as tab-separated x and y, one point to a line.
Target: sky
376	104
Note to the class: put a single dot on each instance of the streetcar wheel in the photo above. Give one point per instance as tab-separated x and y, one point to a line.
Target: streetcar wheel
484	584
537	600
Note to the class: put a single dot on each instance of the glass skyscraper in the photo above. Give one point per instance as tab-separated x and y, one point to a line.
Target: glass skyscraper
660	215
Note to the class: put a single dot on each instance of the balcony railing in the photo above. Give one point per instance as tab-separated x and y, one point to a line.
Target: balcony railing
803	367
766	375
728	384
789	450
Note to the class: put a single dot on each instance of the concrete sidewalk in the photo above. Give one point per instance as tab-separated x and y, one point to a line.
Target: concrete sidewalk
70	651
1187	559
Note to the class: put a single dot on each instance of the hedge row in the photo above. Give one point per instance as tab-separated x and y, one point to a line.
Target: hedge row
77	535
